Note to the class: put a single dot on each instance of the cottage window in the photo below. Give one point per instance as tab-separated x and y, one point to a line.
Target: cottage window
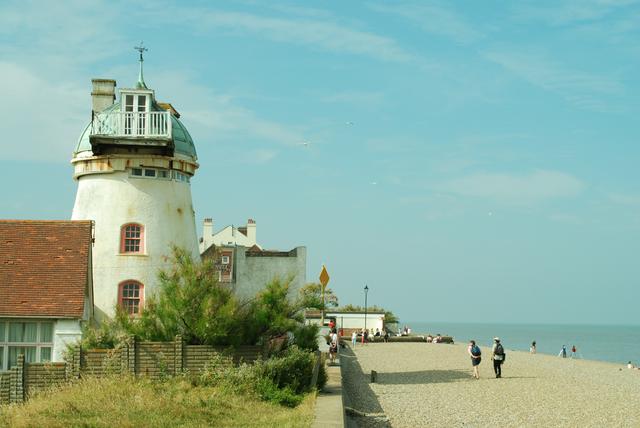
131	297
131	238
225	260
34	339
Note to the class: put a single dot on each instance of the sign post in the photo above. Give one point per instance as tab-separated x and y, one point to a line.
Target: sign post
324	280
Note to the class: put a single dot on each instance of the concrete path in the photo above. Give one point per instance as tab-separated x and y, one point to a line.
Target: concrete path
329	409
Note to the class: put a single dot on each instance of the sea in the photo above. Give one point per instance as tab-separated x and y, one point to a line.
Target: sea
613	343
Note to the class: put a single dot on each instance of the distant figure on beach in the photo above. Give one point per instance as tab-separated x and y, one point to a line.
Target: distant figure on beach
354	338
438	338
497	356
366	336
476	357
386	335
630	365
574	351
563	352
532	349
429	339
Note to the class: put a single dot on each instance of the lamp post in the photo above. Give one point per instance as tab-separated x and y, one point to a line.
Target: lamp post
366	290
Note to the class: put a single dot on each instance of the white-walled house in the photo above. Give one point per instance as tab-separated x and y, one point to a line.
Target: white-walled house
45	287
348	321
133	164
246	265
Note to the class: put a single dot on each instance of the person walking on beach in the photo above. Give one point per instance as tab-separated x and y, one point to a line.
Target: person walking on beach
476	357
532	350
574	351
497	356
354	338
563	352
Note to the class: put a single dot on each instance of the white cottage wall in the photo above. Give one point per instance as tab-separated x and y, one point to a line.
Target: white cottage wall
65	332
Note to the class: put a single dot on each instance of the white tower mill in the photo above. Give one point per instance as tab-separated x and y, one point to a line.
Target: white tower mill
133	163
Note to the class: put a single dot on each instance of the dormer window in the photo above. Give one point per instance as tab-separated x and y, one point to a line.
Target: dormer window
135	107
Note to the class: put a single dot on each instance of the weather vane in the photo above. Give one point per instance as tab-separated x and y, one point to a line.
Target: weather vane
141	49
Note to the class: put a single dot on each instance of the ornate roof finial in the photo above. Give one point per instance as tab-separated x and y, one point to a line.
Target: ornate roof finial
141	49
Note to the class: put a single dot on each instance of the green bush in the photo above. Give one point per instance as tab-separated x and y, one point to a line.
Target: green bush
269	391
282	379
293	369
306	337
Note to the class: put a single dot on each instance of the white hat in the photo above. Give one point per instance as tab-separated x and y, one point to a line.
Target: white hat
497	339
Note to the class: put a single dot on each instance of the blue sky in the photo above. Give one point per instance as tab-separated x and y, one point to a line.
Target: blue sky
465	160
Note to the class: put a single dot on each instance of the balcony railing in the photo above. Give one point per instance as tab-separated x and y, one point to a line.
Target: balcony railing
155	124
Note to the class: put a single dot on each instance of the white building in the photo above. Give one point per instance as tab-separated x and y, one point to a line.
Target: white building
133	163
244	236
348	321
246	265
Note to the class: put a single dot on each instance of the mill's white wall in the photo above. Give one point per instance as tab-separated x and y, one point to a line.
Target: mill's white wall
64	332
112	199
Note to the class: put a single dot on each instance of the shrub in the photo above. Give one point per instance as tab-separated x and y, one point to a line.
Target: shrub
306	337
293	369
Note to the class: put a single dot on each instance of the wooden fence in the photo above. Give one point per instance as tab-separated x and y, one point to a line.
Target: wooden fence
150	359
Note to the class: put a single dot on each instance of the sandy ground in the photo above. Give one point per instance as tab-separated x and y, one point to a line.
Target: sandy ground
422	384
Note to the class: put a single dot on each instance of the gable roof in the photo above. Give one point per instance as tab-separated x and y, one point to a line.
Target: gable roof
44	267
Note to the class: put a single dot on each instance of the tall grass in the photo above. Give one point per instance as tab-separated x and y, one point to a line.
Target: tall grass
128	402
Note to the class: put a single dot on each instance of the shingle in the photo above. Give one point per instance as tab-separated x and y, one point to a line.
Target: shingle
44	267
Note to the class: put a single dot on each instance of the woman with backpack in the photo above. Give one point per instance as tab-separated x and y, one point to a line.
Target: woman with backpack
475	353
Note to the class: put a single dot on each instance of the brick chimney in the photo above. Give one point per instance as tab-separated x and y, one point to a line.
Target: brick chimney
103	94
251	231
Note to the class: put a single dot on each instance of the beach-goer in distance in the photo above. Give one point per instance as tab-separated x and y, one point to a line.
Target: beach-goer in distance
532	349
563	352
498	356
630	365
574	351
429	339
366	336
354	338
476	357
377	332
386	335
438	338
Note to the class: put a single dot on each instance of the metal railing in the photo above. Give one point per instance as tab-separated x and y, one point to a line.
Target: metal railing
132	124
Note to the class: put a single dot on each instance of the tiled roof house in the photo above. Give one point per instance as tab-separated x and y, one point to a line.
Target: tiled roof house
46	289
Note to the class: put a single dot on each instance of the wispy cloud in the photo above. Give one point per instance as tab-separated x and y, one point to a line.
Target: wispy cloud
434	18
259	156
568	12
529	188
320	33
582	89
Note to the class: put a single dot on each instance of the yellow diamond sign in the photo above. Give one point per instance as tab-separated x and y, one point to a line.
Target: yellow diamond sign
324	276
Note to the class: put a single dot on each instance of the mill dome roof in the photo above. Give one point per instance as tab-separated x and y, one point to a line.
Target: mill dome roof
182	140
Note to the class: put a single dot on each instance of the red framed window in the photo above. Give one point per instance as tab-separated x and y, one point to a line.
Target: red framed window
131	296
132	238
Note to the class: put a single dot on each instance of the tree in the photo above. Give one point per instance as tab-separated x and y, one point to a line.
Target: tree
189	301
311	297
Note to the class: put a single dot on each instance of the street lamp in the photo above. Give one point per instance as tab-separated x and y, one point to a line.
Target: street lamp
366	290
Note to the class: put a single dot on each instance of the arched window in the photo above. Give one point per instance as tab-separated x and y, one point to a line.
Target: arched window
131	296
132	238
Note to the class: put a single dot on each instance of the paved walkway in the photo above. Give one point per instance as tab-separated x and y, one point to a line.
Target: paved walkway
329	410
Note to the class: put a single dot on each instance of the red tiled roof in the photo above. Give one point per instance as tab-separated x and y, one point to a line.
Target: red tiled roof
44	267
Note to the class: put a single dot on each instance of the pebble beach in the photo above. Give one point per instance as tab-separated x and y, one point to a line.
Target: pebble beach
422	384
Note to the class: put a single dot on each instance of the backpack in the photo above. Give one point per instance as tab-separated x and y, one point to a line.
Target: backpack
499	349
475	351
